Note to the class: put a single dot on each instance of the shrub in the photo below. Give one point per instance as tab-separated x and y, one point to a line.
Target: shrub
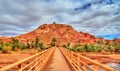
117	48
28	45
6	49
22	46
97	49
36	41
15	46
1	43
41	46
86	48
68	44
14	41
77	49
53	42
1	47
48	47
32	44
65	46
109	48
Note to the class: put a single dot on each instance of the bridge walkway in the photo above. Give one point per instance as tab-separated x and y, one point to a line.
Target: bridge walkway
57	62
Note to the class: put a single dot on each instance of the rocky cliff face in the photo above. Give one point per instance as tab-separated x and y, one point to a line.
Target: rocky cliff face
63	33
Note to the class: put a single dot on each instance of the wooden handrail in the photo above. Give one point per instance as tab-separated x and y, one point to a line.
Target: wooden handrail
41	57
81	63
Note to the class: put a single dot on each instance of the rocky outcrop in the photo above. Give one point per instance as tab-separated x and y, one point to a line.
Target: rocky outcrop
116	40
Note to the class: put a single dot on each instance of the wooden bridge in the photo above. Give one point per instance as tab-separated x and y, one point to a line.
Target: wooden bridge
57	59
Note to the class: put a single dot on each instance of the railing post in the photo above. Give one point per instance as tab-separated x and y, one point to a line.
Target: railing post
33	63
81	63
78	62
78	58
67	53
95	67
84	66
36	66
71	57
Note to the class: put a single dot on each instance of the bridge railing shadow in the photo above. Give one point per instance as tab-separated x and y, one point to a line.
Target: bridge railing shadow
81	63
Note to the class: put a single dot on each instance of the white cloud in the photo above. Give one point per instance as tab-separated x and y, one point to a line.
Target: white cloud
26	15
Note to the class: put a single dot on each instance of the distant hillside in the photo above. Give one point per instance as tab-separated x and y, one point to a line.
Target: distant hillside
62	32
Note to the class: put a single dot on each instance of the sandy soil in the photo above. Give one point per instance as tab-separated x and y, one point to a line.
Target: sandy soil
103	58
6	59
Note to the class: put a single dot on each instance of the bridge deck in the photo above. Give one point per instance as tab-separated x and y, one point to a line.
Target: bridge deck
57	62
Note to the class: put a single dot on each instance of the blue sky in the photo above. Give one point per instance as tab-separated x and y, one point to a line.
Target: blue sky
98	17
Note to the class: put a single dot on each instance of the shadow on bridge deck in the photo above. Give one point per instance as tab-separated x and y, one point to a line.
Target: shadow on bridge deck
57	62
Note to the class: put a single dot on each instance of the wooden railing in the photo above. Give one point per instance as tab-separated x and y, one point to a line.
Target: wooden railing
32	63
82	63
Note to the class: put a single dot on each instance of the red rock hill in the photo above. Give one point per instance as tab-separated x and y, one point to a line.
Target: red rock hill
62	32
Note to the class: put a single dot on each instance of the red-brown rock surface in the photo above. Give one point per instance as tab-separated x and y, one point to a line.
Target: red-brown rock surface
117	40
4	39
63	33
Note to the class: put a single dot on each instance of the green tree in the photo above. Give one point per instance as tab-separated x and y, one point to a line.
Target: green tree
53	42
15	46
22	46
117	48
109	48
15	40
2	43
32	44
68	44
100	43
54	22
28	44
64	45
15	43
41	46
36	41
1	47
6	48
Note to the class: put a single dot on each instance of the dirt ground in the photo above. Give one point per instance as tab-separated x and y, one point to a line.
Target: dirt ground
6	59
103	58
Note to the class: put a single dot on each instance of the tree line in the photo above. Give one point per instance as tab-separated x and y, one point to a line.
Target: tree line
99	47
15	45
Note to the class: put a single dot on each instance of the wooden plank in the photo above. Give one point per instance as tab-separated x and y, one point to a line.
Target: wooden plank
72	57
27	59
